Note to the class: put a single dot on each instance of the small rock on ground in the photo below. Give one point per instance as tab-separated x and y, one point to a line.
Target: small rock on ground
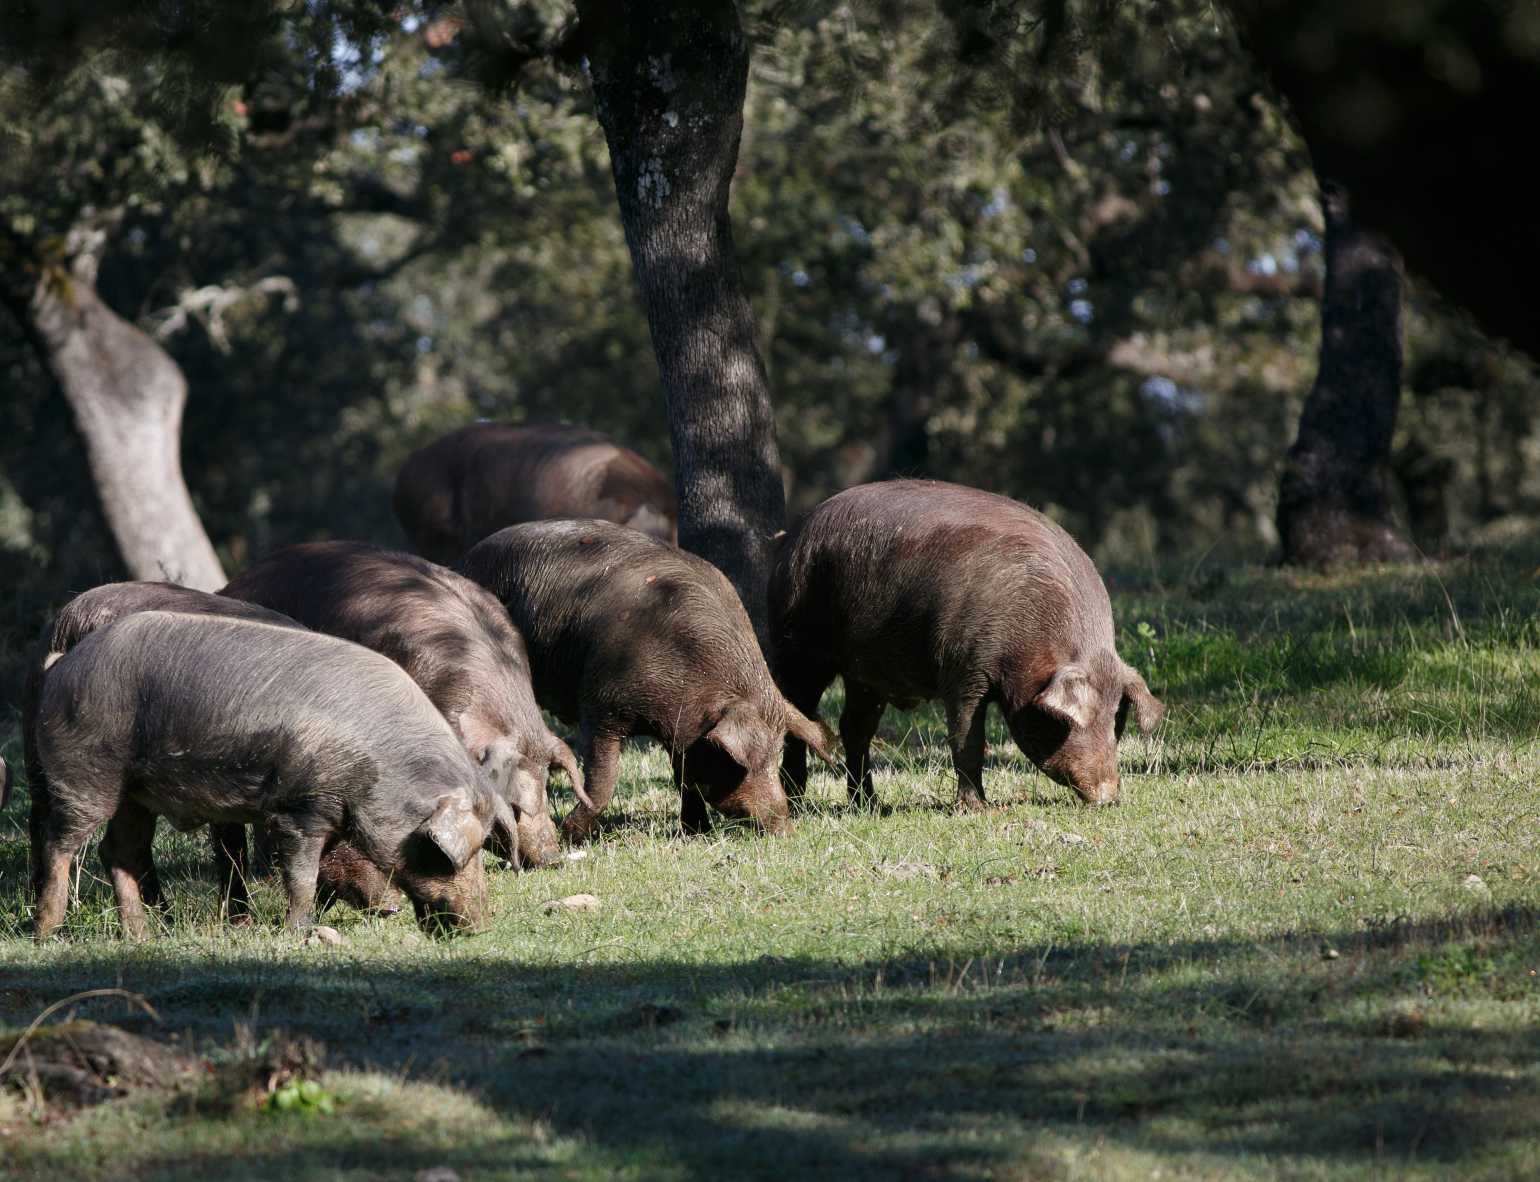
572	903
324	935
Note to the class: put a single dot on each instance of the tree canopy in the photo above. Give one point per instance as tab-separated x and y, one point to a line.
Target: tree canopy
1070	252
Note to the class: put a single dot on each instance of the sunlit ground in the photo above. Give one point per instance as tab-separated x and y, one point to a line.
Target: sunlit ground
1305	946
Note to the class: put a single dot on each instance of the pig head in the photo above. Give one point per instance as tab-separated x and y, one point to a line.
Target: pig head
736	764
440	864
520	777
1069	726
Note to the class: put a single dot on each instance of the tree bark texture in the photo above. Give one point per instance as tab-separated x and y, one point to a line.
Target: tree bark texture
668	82
1332	501
126	395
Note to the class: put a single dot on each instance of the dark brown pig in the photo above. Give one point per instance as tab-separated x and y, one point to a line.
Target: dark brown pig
474	481
912	590
204	719
344	876
629	636
453	638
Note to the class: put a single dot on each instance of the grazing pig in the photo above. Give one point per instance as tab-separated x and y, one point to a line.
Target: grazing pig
629	636
205	719
453	639
912	590
472	482
344	875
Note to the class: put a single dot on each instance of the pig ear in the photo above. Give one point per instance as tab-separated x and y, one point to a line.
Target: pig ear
1068	695
562	759
814	732
454	829
496	761
1148	709
733	734
503	837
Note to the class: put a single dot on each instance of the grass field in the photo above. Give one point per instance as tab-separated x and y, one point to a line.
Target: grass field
1306	946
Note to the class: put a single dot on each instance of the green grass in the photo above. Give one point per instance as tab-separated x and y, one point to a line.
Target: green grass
1271	962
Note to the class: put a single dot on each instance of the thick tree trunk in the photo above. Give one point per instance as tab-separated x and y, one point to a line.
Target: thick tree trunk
669	82
127	396
1332	501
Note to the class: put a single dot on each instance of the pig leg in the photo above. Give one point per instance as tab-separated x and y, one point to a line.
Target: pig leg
53	887
965	718
37	825
230	869
126	856
57	835
299	843
858	726
804	691
601	768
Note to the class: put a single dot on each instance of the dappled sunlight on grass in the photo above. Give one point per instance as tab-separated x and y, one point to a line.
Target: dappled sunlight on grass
1306	945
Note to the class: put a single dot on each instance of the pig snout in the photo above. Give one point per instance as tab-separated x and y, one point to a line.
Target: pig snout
1100	792
347	876
539	845
761	799
449	904
1095	780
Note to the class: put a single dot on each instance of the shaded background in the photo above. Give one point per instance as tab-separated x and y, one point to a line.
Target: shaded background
1087	278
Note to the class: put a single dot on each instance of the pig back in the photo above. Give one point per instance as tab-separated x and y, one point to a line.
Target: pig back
904	584
481	478
95	609
617	620
228	716
450	635
100	606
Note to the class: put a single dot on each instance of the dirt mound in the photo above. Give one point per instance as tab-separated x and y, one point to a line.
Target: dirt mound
80	1063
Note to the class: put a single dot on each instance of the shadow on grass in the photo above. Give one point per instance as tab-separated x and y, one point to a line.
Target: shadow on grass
901	1066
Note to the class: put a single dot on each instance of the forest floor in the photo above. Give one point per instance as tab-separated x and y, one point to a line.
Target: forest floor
1305	946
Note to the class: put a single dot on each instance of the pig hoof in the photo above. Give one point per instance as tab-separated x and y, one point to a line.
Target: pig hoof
971	804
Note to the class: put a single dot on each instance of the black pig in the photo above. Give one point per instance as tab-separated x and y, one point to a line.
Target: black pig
629	636
474	481
912	590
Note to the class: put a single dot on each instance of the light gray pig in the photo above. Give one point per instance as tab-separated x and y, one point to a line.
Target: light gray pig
203	720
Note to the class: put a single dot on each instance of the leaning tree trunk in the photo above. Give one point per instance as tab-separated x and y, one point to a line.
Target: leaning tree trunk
669	81
126	395
1332	501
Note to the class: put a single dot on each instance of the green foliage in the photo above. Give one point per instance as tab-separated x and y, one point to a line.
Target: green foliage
1454	968
301	1097
1064	251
